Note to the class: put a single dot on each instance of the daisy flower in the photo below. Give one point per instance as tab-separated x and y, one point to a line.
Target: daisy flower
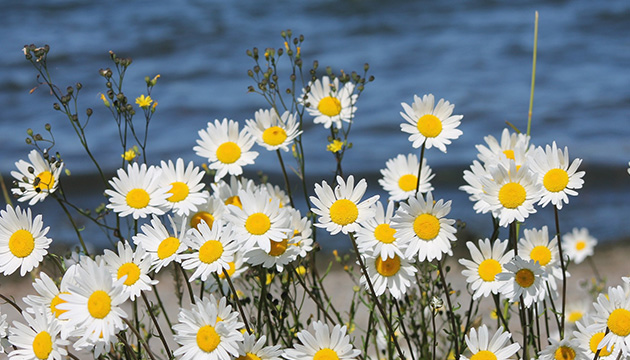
329	102
3	330
377	235
40	339
510	194
135	265
251	349
280	254
184	186
161	246
475	187
565	349
394	273
558	177
522	278
429	125
137	192
423	229
487	261
512	146
275	192
577	310
203	336
325	344
34	186
537	246
273	132
341	209
613	311
48	294
213	249
495	348
226	149
236	268
302	237
228	193
94	302
23	242
400	177
578	244
259	221
590	336
210	211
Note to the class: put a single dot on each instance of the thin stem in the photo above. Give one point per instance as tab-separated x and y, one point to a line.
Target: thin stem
11	302
564	271
238	302
168	321
403	327
190	290
592	265
449	305
497	303
144	344
315	300
286	177
157	325
434	334
5	192
420	168
74	226
531	95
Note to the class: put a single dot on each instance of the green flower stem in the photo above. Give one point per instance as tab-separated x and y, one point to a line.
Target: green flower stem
316	300
238	302
420	167
595	272
157	325
159	300
564	271
500	314
531	95
286	178
142	342
11	302
5	193
403	327
190	290
128	350
451	313
74	226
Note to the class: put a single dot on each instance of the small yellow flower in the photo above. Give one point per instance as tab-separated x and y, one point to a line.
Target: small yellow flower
269	278
144	102
301	270
105	101
299	49
335	146
130	154
493	314
286	45
154	106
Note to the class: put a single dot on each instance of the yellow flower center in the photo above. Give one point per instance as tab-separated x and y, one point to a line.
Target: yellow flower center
594	343
509	154
564	353
512	195
179	191
210	251
228	152
99	304
195	220
234	200
488	269
524	278
388	267
278	247
329	106
274	135
326	354
42	345
257	224
384	233
46	180
56	301
541	254
408	182
484	355
429	125
556	180
426	226
619	322
574	316
580	245
207	338
343	212
131	270
167	247
230	271
248	356
138	198
21	243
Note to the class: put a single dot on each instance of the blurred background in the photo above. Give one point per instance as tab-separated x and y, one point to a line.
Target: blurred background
475	54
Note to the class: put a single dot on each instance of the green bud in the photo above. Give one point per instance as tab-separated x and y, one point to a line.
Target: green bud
147	80
249	53
70	90
79	86
89	112
29	141
47	127
29	132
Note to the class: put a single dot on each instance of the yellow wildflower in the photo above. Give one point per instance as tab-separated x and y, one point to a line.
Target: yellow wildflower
301	270
129	155
269	278
144	102
334	146
105	101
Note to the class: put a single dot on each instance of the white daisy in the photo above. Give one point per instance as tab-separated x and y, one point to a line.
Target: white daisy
3	330
537	246
510	194
273	132
210	211
576	310
423	229
23	242
324	345
377	235
94	302
330	103
228	193
487	262
213	249
590	336
275	192
613	311
341	209
259	221
135	265
184	186
523	278
400	177
280	253
512	146
302	236
482	347
558	177
226	149
40	339
203	336
37	179
137	192
236	268
394	273
578	244
48	294
475	187
251	349
432	126
162	246
565	349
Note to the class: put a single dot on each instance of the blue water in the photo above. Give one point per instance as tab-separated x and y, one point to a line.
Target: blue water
476	54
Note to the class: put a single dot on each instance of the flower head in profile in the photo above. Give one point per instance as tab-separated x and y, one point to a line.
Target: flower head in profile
184	185
271	131
487	262
330	102
430	125
39	338
578	244
483	347
400	177
325	344
37	179
23	241
226	149
342	209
